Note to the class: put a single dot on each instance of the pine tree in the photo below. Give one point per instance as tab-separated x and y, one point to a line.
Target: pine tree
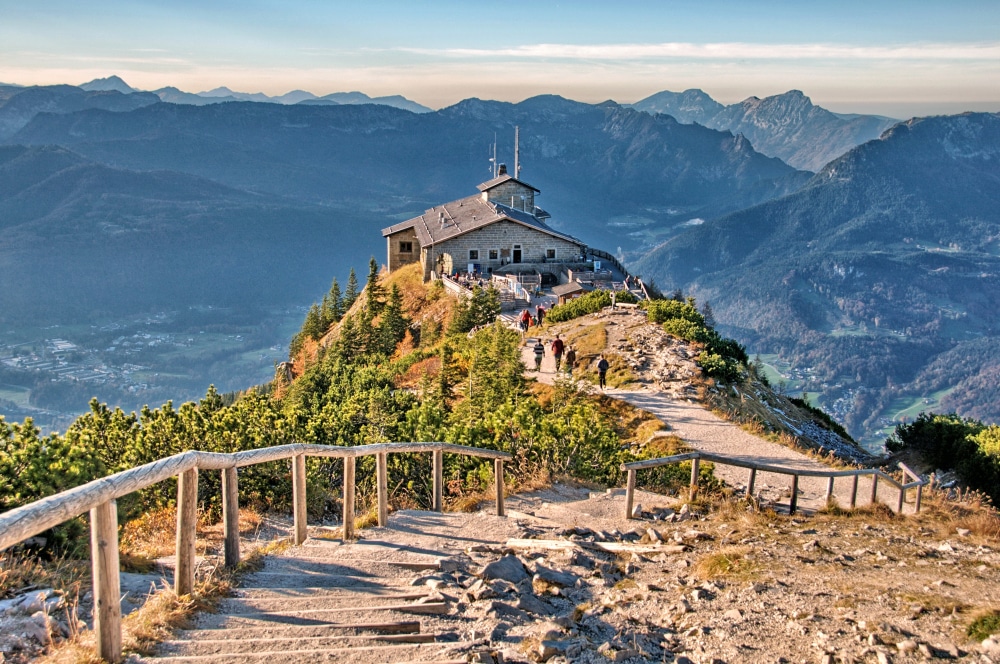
374	291
393	325
336	302
708	315
351	294
313	325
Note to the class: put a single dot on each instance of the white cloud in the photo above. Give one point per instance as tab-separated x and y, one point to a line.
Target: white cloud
725	51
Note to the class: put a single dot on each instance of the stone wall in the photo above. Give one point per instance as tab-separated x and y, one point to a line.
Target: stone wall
502	194
398	258
453	255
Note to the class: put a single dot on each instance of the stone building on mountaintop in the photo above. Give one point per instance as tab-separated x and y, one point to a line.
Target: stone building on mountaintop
498	231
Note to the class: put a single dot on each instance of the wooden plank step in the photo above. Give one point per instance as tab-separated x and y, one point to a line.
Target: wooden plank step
277	579
313	554
385	653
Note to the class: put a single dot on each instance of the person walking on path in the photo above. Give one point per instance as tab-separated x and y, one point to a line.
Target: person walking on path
602	371
570	359
525	319
539	350
540	311
557	351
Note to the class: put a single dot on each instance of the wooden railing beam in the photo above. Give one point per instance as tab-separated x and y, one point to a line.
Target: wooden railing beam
106	580
231	517
348	498
498	482
438	470
382	481
187	522
300	521
630	493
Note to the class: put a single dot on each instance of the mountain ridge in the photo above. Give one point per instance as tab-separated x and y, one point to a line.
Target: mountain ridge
788	126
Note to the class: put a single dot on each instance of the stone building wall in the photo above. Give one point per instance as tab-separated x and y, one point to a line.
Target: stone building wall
453	254
395	244
502	194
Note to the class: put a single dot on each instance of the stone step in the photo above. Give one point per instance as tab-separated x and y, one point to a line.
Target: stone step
323	591
237	605
334	556
345	628
228	646
276	578
322	616
374	654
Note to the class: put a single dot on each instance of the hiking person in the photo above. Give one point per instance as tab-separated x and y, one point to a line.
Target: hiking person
557	351
570	359
602	371
525	320
539	350
540	311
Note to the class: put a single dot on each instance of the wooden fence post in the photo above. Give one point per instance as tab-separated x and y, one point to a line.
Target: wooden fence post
382	480
854	491
899	505
107	582
348	498
299	532
874	488
231	516
795	495
438	463
920	495
630	493
694	478
187	521
829	489
498	481
750	483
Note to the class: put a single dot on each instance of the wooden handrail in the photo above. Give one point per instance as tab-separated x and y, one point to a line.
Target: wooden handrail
755	467
99	498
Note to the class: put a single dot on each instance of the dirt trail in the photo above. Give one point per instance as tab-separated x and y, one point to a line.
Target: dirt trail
702	430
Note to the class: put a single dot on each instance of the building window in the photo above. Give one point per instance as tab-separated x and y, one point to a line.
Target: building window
406	247
473	254
494	254
550	253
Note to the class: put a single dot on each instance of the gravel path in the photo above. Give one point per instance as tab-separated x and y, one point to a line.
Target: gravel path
704	431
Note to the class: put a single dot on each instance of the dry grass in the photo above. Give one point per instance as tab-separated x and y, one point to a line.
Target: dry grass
981	519
21	571
727	561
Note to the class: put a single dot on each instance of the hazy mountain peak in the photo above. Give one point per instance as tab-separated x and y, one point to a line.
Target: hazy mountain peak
111	83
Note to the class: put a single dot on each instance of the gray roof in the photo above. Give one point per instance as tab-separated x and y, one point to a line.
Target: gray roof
506	177
450	220
570	288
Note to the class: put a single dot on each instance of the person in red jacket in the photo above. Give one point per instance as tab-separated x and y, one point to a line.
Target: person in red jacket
557	350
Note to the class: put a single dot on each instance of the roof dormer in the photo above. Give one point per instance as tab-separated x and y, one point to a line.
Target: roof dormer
508	190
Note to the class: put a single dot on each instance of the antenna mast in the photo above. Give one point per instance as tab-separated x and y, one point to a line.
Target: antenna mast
493	159
517	165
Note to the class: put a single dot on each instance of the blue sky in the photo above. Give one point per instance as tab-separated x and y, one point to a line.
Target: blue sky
897	58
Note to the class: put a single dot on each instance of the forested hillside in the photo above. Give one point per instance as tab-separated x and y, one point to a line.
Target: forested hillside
887	259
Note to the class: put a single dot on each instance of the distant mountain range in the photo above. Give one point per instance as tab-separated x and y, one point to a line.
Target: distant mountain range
79	239
787	126
615	176
224	94
881	266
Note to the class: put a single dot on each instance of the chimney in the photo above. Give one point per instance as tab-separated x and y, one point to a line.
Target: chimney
503	170
441	218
